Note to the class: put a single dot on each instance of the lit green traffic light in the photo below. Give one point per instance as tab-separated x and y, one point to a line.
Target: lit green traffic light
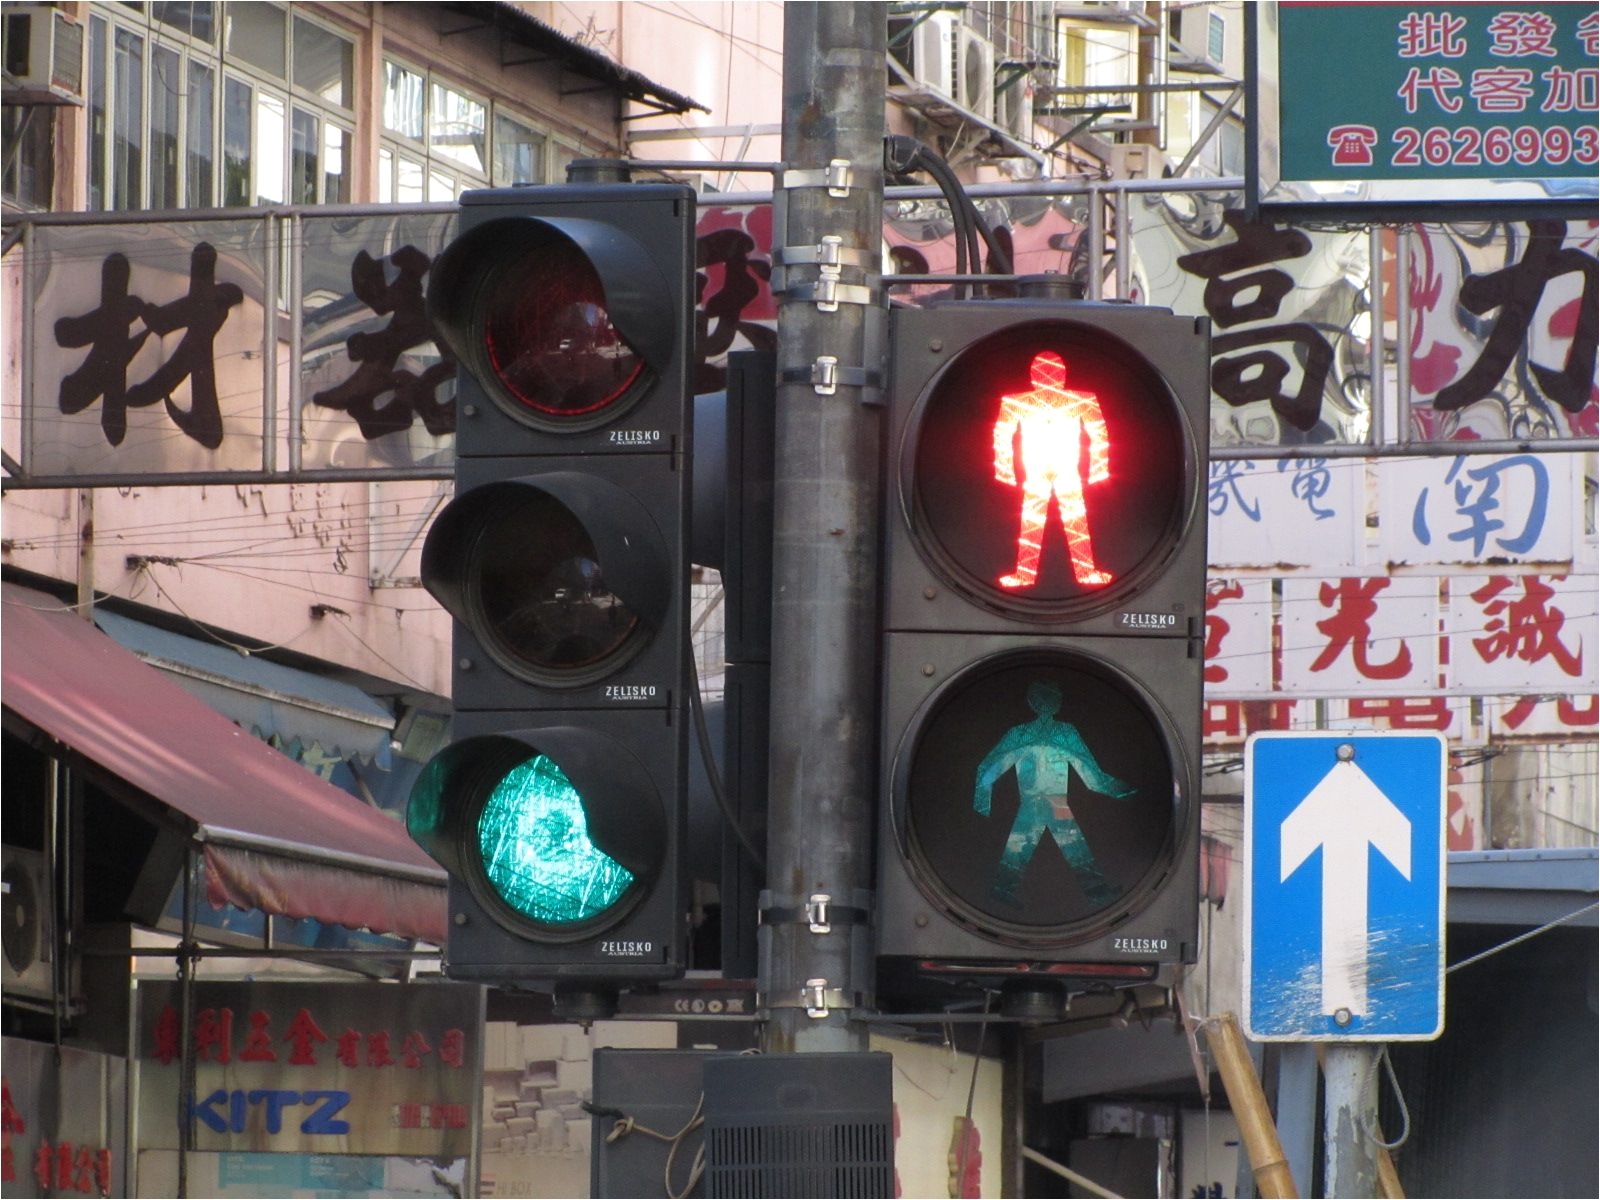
537	854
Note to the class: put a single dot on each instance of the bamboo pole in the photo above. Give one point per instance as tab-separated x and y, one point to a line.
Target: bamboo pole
1249	1104
1388	1177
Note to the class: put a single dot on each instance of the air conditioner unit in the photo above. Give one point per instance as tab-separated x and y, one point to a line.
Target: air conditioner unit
974	77
933	55
44	53
27	940
1135	160
1013	108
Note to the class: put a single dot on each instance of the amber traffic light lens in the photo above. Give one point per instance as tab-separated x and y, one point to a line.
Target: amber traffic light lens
542	595
549	336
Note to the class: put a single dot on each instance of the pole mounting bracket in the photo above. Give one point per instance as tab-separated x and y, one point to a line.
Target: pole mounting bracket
838	177
819	914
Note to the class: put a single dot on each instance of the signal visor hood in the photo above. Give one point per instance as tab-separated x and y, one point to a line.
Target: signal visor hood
635	290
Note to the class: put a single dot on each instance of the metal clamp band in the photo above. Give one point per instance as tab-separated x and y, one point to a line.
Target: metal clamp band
816	997
829	293
819	914
837	177
830	252
826	376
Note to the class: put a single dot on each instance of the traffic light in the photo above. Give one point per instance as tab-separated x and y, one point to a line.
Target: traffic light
1043	618
558	810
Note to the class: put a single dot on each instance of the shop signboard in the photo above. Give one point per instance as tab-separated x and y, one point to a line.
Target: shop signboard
308	1068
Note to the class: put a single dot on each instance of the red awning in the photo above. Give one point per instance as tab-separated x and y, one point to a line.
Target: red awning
275	836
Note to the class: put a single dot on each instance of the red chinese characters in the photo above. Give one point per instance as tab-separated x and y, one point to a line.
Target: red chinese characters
217	1039
65	1167
1529	627
430	1116
11	1122
1349	630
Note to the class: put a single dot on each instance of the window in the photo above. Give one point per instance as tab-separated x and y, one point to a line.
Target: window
199	154
175	120
254	34
194	18
440	140
98	109
236	143
403	96
1224	154
436	138
456	128
324	63
563	156
518	153
127	127
322	162
271	141
30	176
166	124
1216	37
1099	55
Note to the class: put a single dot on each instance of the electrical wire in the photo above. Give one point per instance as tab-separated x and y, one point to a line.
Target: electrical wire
1522	937
903	154
624	1125
714	776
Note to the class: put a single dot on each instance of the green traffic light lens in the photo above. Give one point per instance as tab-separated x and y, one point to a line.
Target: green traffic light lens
537	853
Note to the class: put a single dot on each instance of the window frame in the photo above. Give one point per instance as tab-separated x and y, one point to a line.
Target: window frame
224	73
438	172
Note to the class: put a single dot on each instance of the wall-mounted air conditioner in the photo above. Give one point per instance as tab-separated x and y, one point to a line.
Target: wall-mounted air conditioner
43	53
974	73
1136	160
1013	108
27	941
933	54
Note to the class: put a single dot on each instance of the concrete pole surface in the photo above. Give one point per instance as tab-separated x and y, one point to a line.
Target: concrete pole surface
1350	1098
822	769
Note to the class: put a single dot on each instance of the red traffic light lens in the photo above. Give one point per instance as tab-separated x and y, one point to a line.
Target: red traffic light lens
1038	796
1047	471
549	337
543	605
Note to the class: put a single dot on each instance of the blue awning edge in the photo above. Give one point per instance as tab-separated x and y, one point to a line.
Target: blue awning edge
269	699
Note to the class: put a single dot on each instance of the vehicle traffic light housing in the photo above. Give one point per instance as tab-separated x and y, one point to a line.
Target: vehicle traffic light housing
1043	618
558	809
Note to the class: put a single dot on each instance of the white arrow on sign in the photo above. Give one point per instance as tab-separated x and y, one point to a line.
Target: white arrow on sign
1343	815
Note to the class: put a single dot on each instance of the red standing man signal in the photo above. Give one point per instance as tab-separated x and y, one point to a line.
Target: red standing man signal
1050	422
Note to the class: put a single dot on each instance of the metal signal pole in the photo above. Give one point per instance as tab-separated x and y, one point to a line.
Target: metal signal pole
816	949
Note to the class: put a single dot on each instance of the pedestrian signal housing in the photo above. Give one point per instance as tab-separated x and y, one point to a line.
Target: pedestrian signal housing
1043	622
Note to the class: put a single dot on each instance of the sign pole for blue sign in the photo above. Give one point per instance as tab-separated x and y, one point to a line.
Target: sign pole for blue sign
1344	912
1350	1120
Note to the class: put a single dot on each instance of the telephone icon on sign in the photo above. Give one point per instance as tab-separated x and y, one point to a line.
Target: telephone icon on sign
1352	145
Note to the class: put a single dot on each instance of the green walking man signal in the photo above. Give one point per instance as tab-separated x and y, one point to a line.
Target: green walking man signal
1044	752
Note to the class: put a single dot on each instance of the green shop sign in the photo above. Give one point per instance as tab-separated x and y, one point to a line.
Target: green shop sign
1426	103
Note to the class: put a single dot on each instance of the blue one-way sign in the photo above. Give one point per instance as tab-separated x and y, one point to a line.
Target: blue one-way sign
1344	886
